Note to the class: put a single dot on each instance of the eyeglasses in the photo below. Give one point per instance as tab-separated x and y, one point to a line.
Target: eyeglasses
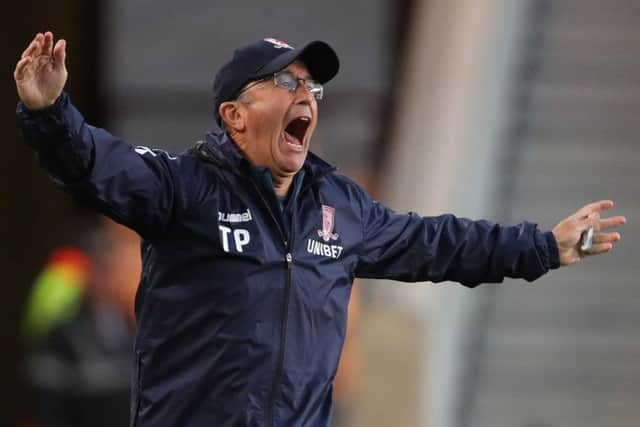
288	81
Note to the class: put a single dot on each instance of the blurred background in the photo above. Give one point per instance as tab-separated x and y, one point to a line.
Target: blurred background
506	110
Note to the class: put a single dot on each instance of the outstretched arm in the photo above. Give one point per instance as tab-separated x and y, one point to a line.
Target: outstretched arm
136	186
41	72
568	232
408	247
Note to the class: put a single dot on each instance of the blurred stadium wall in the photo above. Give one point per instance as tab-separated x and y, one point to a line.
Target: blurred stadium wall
514	111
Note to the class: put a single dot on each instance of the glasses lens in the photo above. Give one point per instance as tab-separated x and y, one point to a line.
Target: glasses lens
314	88
286	81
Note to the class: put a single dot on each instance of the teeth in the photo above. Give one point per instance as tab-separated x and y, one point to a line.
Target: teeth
304	119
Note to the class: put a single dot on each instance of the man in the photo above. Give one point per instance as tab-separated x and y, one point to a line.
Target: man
251	242
78	330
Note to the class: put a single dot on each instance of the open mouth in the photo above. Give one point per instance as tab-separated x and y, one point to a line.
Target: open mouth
296	130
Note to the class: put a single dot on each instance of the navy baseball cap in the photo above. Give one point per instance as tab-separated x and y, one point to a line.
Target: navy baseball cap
267	56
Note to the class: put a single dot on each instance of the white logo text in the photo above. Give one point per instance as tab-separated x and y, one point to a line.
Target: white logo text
235	217
317	248
241	238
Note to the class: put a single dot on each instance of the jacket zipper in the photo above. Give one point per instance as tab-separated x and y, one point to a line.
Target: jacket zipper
277	380
288	258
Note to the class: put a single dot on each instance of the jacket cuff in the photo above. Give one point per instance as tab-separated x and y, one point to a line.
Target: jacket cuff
44	121
552	251
61	151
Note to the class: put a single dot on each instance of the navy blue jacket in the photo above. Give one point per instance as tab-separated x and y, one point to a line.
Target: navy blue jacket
241	309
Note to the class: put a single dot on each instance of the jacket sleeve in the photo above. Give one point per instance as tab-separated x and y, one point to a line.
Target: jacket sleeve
135	186
411	248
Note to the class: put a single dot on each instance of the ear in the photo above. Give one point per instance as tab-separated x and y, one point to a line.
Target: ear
232	114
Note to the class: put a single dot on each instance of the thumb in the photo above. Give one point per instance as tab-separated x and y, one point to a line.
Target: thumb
59	55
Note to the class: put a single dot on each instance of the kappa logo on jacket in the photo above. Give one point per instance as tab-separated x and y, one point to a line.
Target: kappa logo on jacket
326	233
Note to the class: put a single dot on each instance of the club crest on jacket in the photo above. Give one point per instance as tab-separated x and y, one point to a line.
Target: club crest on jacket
328	223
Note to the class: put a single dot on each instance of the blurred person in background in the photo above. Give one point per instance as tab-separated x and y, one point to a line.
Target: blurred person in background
251	242
78	330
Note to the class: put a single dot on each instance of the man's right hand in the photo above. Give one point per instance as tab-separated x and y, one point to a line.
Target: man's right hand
41	73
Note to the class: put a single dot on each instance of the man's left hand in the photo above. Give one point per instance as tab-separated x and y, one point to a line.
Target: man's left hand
569	231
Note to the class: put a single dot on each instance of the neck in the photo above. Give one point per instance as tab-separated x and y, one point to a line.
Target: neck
281	184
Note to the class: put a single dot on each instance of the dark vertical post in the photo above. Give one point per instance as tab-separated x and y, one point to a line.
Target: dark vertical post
35	217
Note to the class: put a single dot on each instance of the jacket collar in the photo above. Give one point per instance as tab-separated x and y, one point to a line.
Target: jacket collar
220	148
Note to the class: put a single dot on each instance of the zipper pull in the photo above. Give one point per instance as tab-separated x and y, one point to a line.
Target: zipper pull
289	259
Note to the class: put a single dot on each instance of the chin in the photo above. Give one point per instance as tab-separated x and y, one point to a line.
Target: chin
292	167
291	162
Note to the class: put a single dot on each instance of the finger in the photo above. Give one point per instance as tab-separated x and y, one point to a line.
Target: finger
47	46
600	248
29	50
591	208
60	54
39	40
19	72
606	238
613	221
